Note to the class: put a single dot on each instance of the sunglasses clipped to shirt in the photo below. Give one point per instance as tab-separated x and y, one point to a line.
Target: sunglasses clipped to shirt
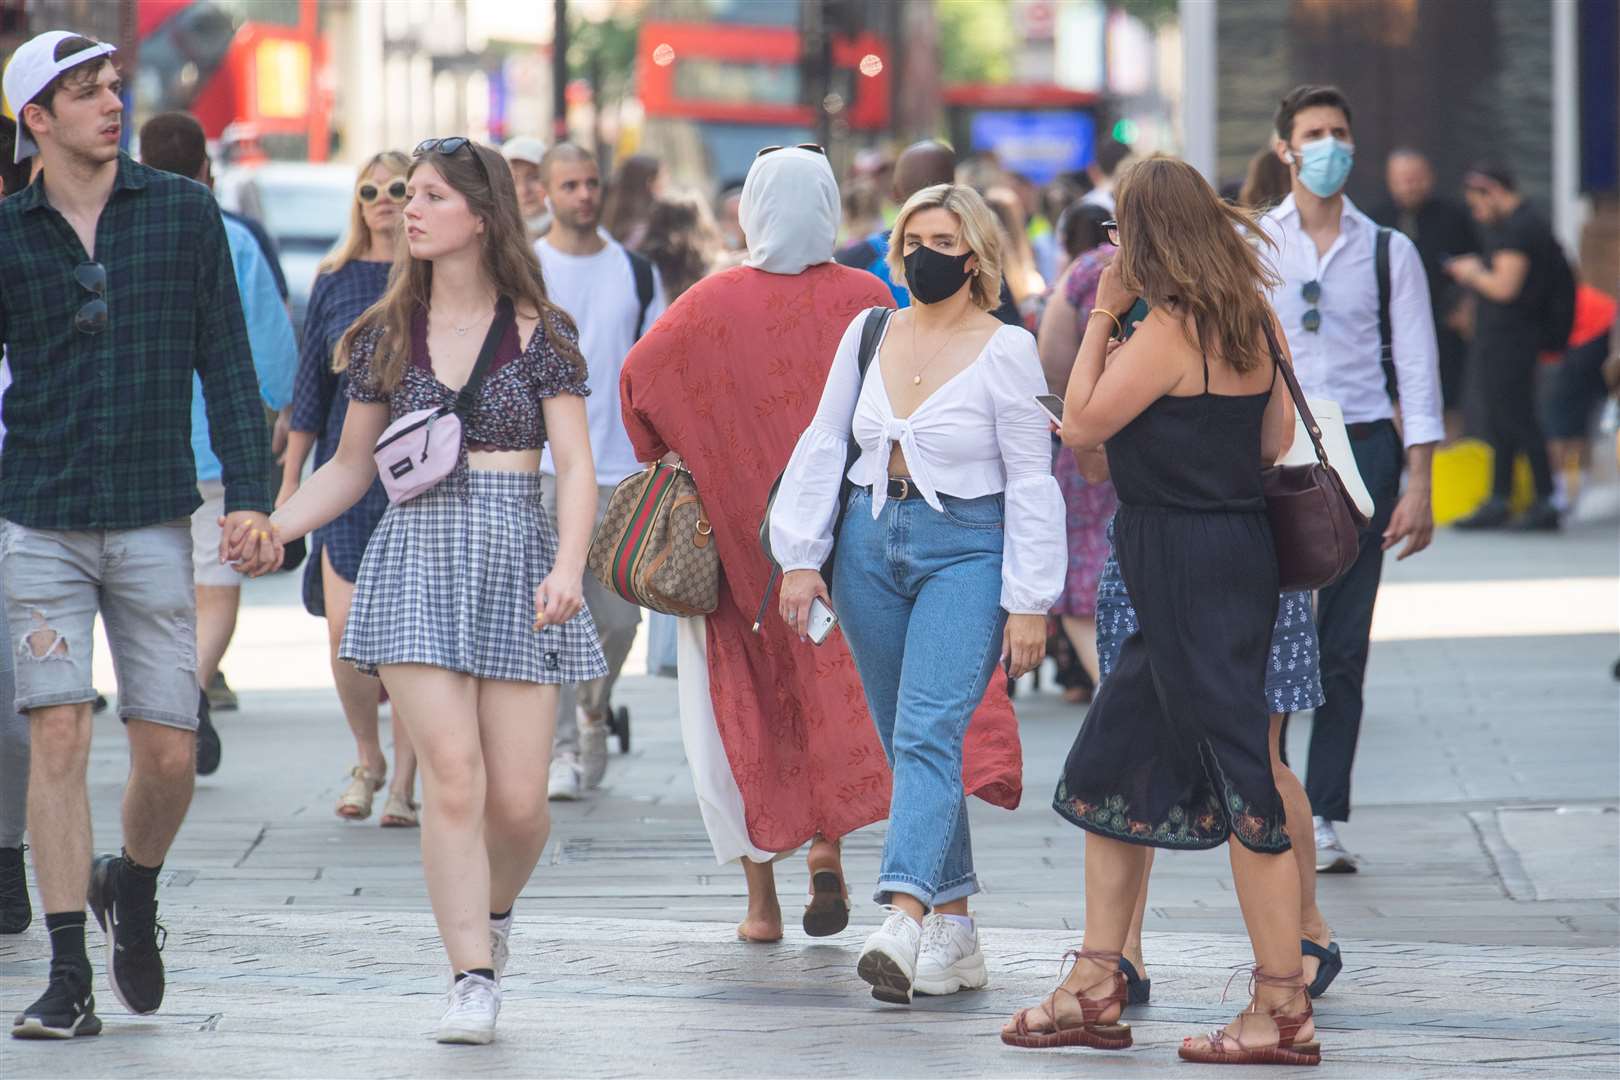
370	193
92	317
1311	292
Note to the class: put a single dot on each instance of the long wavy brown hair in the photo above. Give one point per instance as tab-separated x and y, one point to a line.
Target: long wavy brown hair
357	241
1182	247
508	262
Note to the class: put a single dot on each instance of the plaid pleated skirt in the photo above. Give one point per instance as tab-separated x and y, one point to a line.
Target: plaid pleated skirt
449	578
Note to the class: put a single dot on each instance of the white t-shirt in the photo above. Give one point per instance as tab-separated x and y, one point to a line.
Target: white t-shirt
599	293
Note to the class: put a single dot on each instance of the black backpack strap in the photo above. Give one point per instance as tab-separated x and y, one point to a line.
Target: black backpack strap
1386	343
871	333
643	271
467	399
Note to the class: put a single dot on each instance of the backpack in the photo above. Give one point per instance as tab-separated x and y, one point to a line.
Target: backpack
643	271
1558	299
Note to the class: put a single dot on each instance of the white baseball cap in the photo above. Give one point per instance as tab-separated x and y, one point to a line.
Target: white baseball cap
31	69
523	148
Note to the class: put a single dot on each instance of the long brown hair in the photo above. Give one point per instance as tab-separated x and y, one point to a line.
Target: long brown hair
1181	246
357	241
508	261
630	197
682	241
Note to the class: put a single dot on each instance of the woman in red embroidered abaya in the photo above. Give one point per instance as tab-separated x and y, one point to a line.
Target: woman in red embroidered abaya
781	745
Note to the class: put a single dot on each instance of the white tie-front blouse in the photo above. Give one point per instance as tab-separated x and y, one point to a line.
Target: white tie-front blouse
979	434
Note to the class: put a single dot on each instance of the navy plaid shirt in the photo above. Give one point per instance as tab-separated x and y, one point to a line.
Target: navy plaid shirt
98	426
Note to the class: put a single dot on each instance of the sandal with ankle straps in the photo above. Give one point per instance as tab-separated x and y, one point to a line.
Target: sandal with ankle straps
1286	1051
355	802
1090	1031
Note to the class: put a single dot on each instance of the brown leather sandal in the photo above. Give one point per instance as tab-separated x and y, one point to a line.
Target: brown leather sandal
1090	1031
1225	1048
828	911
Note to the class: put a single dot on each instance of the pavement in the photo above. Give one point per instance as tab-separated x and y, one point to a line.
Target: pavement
1480	936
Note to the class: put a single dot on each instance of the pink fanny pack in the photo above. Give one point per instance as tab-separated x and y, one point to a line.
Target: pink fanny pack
422	447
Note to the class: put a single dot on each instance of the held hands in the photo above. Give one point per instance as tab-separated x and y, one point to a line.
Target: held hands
799	587
1111	295
1023	643
250	543
558	598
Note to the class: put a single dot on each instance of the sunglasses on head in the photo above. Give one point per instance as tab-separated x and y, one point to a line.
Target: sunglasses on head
449	147
810	146
92	317
1110	229
369	193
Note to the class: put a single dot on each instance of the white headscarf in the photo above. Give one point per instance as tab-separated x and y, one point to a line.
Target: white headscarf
789	211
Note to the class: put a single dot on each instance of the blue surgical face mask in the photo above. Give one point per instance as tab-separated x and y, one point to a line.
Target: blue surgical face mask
1324	165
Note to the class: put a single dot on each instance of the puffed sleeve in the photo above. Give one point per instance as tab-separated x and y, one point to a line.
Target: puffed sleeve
1035	557
362	378
558	373
807	502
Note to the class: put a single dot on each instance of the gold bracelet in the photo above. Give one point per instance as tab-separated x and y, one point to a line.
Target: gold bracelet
1119	330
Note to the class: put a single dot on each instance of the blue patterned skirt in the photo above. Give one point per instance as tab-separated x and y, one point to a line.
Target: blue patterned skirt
448	580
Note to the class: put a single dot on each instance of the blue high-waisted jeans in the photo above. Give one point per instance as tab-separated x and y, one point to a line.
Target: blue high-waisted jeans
918	594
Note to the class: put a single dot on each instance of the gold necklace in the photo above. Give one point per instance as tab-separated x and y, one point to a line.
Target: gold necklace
916	378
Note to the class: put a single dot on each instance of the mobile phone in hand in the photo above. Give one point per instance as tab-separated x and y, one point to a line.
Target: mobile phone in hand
822	620
1053	406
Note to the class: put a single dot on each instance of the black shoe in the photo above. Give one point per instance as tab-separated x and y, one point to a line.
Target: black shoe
1541	517
134	937
1492	515
221	698
67	1008
208	748
99	706
15	910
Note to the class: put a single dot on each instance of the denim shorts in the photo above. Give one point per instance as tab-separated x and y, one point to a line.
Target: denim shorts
141	582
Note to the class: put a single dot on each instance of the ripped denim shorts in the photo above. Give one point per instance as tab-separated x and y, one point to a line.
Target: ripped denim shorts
141	582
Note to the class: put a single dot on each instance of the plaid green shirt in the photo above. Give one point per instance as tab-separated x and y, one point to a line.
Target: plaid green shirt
98	426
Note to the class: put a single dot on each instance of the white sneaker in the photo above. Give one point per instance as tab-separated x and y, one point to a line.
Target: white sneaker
500	945
1331	857
475	1002
950	958
889	958
593	748
566	783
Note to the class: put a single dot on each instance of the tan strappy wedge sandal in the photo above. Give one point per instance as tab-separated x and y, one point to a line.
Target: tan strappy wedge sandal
355	802
1231	1048
1090	1031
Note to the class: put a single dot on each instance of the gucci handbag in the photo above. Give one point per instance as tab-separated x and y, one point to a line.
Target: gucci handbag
655	547
1315	523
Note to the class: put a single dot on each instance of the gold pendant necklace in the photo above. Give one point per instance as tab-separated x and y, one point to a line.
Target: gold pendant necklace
916	378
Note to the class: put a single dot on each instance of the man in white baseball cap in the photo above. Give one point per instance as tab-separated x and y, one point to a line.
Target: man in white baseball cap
35	64
523	154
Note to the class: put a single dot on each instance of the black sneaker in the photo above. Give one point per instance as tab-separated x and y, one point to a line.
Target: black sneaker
1542	516
134	937
1492	514
15	910
67	1008
208	748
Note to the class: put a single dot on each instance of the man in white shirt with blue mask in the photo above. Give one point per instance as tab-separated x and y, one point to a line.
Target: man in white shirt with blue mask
1328	254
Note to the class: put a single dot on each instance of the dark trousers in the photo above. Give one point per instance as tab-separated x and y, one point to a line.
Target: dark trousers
1512	426
1344	613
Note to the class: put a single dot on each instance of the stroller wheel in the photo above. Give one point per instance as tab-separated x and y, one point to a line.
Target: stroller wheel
619	725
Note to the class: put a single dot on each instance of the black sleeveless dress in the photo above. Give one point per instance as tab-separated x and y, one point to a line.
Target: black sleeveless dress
1173	752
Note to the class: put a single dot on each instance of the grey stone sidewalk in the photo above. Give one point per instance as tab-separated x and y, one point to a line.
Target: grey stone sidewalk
1480	937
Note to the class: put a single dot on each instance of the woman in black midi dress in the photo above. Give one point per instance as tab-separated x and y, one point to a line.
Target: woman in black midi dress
1174	750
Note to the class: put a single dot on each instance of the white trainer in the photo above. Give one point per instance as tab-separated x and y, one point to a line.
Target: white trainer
593	748
500	945
566	783
474	1003
1331	857
889	958
950	958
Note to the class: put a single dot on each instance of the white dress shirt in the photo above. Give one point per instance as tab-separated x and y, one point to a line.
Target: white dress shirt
1341	361
978	434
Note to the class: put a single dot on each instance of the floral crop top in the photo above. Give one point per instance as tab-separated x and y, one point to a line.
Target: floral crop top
507	414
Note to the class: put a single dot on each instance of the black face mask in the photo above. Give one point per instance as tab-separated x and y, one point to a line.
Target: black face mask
932	276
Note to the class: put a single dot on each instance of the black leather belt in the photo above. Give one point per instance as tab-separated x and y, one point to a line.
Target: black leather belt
1368	429
903	487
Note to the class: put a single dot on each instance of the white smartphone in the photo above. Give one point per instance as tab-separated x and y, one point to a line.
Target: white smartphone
1053	406
822	621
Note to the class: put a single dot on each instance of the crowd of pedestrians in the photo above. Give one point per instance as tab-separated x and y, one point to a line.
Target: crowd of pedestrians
997	423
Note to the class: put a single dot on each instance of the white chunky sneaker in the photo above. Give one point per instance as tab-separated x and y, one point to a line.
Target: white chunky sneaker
475	1002
566	783
593	748
889	958
500	945
950	958
1331	857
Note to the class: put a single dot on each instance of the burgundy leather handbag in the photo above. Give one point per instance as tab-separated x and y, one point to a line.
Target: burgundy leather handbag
1314	521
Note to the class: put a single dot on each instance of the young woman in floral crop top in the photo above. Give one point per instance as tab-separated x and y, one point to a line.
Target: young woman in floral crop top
467	603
